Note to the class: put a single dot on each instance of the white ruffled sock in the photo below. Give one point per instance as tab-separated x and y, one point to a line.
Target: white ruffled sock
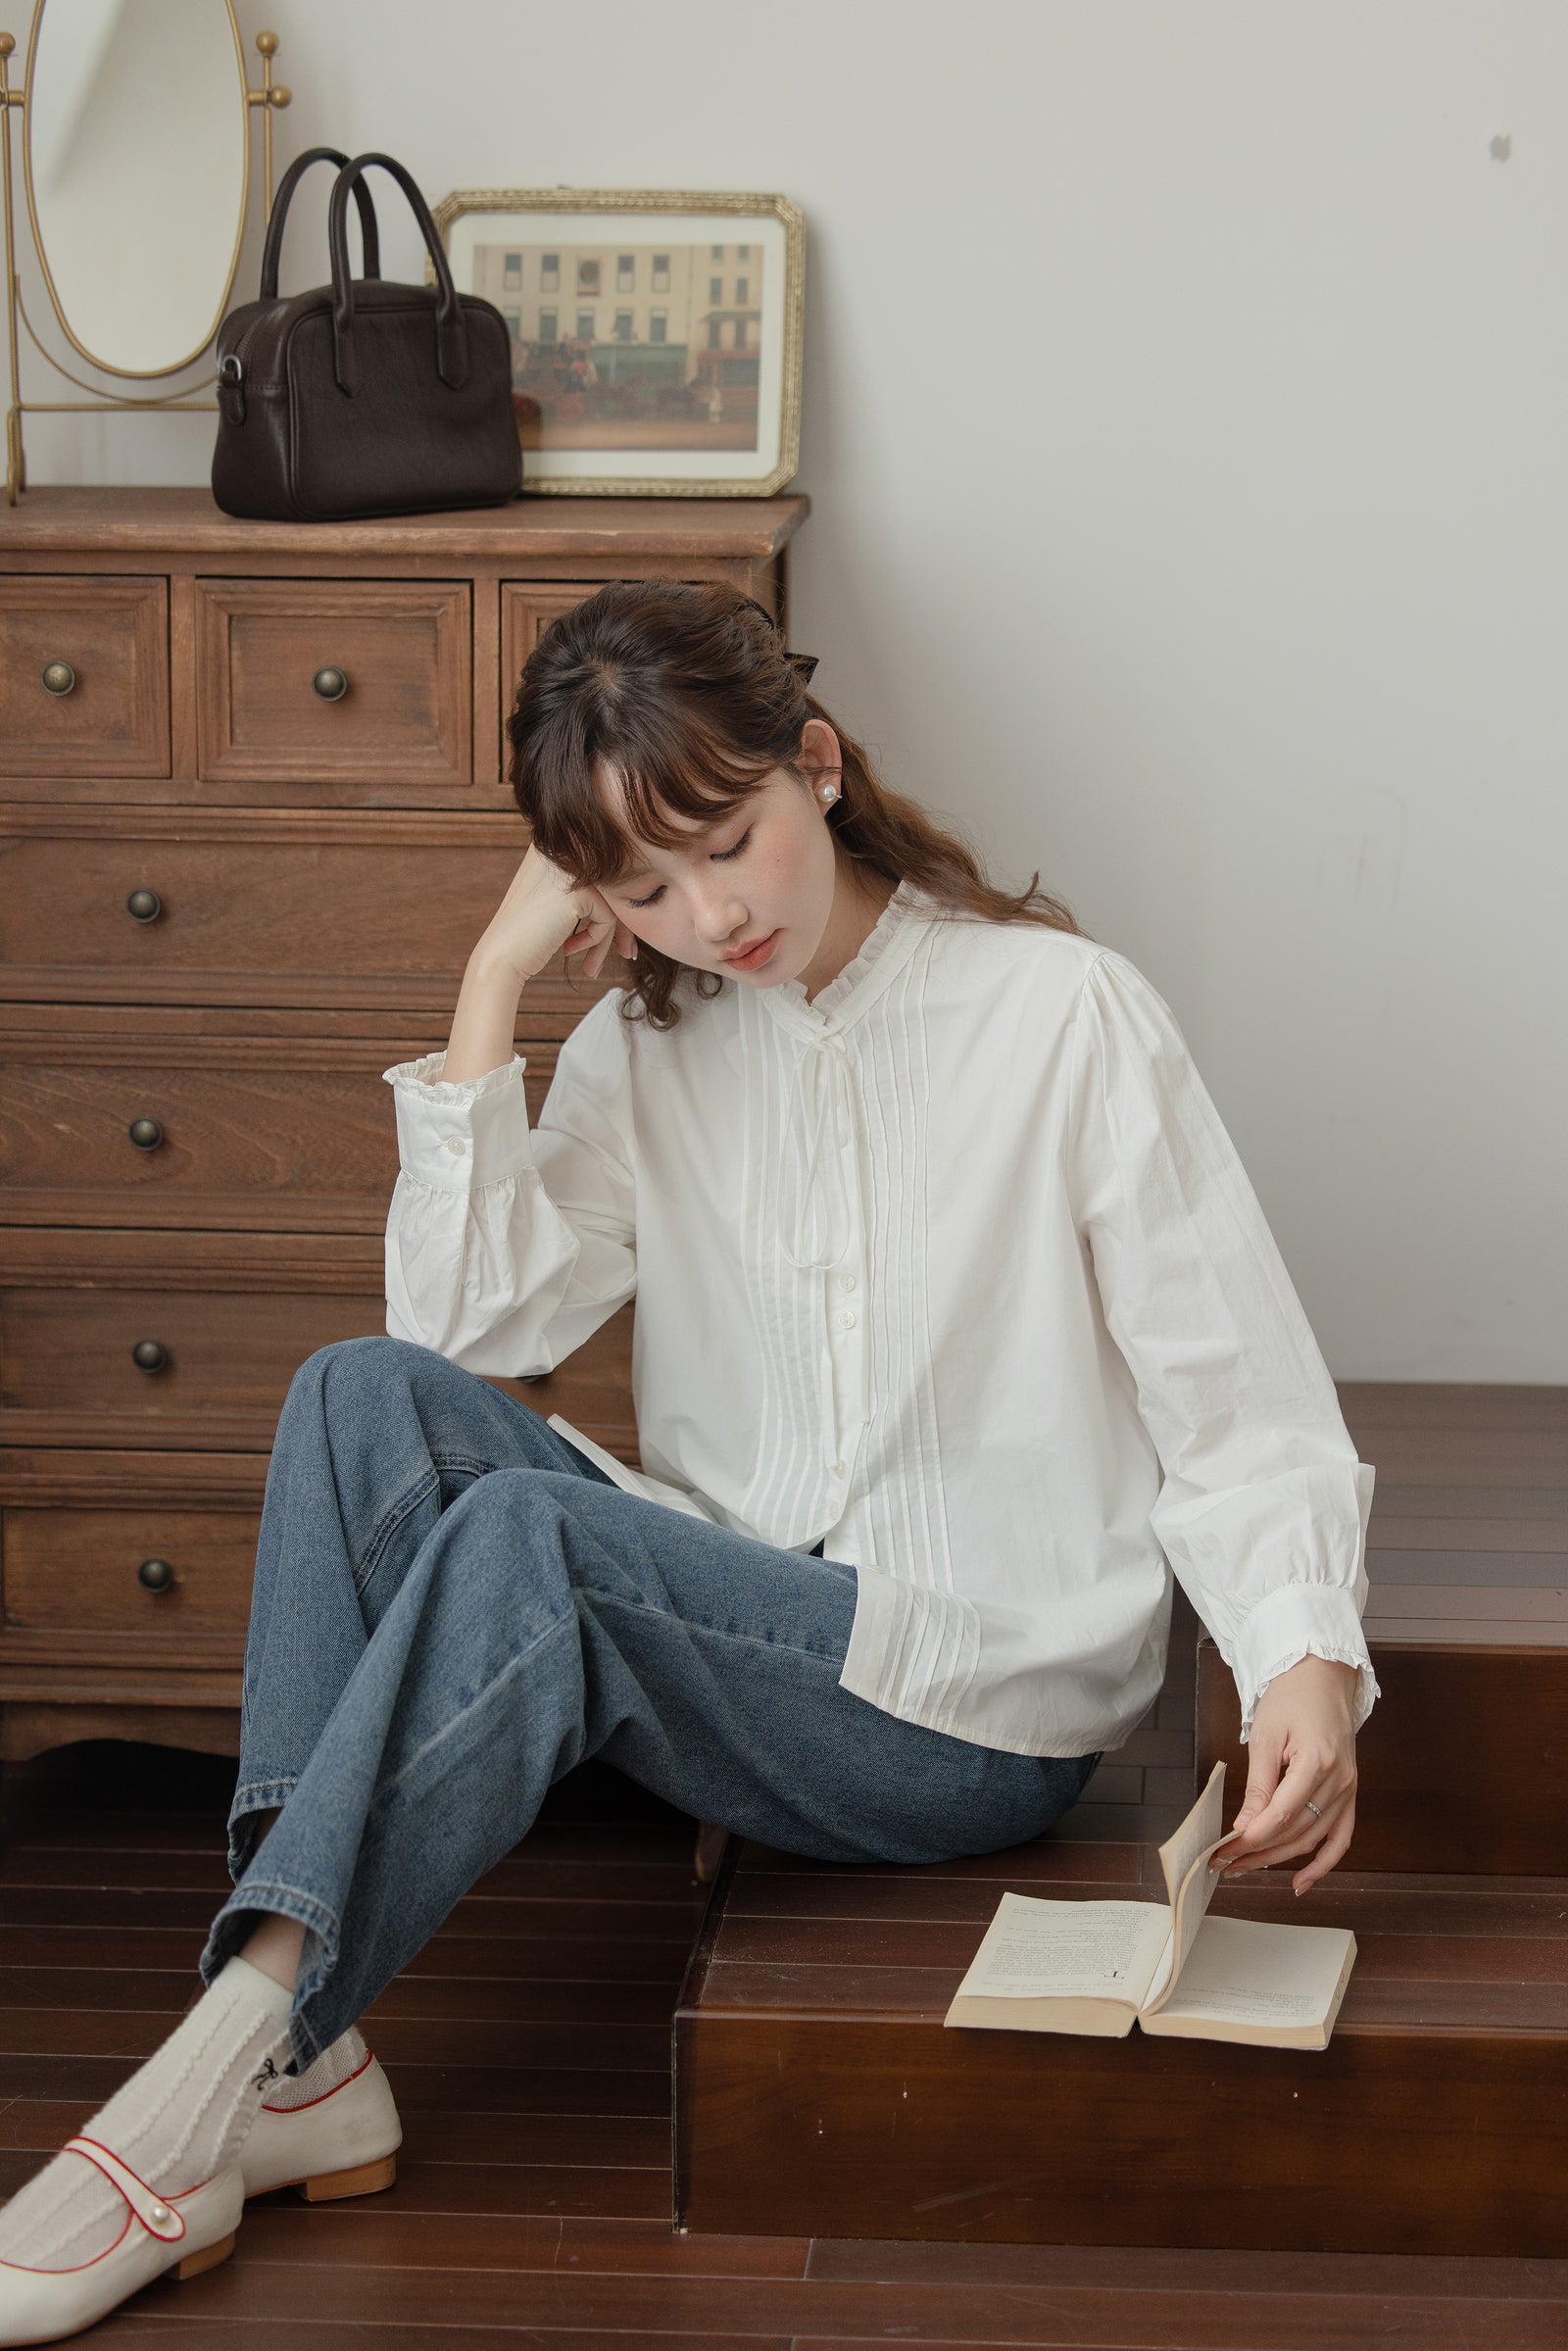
328	2072
179	2119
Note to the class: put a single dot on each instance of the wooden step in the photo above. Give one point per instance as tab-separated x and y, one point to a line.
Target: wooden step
1463	1761
819	2094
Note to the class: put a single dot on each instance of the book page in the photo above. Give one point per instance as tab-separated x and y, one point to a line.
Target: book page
1250	1972
1036	1950
1189	1881
630	1481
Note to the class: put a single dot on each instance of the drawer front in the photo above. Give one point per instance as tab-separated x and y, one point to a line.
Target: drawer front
364	682
236	916
106	642
215	1366
527	611
77	1350
148	1570
308	1141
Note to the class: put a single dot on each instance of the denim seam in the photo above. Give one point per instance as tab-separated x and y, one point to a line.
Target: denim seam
761	1640
381	1534
260	1796
257	1794
406	1504
512	1665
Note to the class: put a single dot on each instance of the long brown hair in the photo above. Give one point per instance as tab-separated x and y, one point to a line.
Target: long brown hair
685	690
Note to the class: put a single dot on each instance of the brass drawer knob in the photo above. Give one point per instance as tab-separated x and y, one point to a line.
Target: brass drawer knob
57	677
156	1574
144	906
331	684
149	1354
146	1134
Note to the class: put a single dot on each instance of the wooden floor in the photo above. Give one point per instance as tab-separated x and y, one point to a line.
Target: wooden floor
529	2050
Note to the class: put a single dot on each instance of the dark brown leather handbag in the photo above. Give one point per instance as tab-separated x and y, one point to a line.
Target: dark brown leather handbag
368	396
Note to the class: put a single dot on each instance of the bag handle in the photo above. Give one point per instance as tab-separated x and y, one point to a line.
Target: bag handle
451	328
272	251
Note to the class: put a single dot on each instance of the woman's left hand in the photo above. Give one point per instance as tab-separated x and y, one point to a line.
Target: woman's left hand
1302	1744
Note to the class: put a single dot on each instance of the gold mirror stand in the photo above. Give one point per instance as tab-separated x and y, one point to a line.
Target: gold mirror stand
270	97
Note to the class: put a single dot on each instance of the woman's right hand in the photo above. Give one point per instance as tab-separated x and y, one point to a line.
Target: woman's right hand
544	915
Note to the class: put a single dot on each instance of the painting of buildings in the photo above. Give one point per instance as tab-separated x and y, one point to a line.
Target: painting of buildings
629	346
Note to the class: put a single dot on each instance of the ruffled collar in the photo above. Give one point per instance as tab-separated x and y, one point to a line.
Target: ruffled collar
863	976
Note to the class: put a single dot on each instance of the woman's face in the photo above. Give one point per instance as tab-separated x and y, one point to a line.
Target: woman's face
769	867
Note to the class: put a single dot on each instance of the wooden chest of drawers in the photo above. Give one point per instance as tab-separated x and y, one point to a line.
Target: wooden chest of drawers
251	822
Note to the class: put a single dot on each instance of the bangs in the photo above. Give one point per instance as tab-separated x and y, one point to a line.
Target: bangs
664	775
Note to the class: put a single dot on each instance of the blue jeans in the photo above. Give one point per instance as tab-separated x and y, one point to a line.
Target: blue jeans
453	1608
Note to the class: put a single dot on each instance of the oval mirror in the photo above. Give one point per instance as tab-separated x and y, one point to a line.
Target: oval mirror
136	118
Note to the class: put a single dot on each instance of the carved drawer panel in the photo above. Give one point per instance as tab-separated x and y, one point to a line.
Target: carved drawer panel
180	1368
189	1338
85	677
528	607
250	830
161	1357
161	1573
335	681
273	1132
265	906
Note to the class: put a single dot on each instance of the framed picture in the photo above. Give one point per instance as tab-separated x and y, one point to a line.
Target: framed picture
655	335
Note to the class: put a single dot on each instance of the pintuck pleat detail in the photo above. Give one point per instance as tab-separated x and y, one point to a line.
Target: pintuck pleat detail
870	1406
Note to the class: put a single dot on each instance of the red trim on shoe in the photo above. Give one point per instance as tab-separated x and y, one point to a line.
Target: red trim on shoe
305	2106
104	2159
159	2208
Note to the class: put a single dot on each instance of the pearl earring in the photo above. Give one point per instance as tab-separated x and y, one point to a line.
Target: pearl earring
830	791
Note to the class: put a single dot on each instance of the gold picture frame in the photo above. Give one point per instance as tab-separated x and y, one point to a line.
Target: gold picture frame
693	392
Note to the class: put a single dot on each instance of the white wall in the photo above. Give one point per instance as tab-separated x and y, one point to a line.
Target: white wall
1223	578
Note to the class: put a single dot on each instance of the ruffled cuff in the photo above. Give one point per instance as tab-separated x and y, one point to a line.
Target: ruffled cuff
460	1134
1296	1621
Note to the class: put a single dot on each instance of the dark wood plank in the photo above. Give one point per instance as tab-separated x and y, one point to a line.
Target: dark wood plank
924	1996
1429	1797
1401	2136
607	2145
1185	2269
654	1886
696	2309
537	1957
75	1907
1044	1862
170	2334
602	1845
1511	1408
442	1998
398	2229
601	2192
490	2046
491	2090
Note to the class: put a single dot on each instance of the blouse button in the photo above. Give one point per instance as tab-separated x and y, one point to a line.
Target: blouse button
838	1469
847	1321
456	1146
847	1280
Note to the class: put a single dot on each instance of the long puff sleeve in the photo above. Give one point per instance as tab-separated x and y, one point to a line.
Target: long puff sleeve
1264	1506
506	1250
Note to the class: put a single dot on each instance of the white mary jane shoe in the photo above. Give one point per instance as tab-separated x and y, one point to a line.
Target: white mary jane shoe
187	2233
342	2144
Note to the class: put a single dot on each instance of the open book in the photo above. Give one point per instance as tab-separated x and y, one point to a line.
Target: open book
1093	1966
631	1480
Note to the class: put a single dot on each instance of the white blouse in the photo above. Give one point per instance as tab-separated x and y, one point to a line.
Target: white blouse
954	1268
